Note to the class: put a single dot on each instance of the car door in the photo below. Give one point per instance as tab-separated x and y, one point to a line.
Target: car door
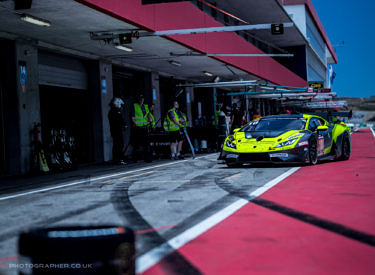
313	125
326	134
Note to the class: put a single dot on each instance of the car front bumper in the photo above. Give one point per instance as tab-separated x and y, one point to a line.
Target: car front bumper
299	155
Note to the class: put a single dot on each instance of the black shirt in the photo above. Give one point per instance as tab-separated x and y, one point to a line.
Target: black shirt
237	117
116	121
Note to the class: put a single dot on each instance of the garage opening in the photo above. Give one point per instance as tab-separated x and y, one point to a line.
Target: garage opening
67	109
2	133
65	103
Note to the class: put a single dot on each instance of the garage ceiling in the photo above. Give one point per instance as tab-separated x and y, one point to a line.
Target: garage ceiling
70	32
264	12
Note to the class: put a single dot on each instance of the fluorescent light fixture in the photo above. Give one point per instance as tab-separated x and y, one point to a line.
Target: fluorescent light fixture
124	48
178	64
35	20
208	73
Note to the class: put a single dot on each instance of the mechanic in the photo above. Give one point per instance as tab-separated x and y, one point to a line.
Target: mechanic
117	125
184	123
173	124
219	110
236	118
140	134
153	123
221	125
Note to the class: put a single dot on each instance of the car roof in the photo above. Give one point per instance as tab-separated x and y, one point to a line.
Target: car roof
285	116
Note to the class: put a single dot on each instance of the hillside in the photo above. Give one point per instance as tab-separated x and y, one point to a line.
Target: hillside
360	103
363	109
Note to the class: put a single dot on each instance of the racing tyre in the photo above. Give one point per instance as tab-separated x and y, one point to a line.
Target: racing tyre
313	151
345	148
77	250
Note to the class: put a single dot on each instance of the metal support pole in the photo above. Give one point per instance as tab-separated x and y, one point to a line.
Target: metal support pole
247	103
214	29
302	92
214	95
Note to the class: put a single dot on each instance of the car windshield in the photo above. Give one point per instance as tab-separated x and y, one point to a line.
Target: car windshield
275	124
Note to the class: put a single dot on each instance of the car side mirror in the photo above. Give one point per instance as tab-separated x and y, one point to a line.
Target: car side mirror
322	128
236	130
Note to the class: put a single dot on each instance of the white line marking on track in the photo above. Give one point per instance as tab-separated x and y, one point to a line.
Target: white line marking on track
94	179
372	131
152	257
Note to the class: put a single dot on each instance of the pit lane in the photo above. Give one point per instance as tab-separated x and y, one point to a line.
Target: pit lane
159	203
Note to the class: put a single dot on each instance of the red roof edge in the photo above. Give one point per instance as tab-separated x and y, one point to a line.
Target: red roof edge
318	23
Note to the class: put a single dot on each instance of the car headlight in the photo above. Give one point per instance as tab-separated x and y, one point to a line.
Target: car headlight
286	143
230	144
248	135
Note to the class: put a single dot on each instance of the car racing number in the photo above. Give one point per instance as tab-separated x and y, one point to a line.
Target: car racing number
320	146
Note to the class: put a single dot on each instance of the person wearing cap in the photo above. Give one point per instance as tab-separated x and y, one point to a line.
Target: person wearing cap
236	117
172	124
117	125
141	118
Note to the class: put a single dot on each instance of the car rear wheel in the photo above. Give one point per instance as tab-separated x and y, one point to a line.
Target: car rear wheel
345	148
313	151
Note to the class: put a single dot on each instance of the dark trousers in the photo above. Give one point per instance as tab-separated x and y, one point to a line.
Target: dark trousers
117	148
141	139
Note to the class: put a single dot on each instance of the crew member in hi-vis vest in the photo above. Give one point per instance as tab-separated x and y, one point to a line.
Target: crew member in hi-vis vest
153	123
142	119
172	124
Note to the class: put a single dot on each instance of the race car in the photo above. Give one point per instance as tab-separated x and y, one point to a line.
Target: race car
301	138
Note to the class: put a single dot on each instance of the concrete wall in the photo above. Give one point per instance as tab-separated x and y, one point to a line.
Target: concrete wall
8	78
315	39
28	99
189	99
101	94
106	97
316	71
156	97
298	15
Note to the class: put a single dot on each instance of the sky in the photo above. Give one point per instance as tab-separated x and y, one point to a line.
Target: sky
351	22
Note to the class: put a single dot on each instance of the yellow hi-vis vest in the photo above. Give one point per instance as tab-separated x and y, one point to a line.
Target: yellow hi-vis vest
168	124
140	119
186	123
217	117
152	120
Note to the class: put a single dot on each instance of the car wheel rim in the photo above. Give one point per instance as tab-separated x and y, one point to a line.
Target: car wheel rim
313	153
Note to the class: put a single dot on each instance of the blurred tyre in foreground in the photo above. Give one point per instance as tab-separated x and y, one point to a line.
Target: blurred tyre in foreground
77	250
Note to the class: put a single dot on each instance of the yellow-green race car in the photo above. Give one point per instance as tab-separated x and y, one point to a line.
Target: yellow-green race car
301	138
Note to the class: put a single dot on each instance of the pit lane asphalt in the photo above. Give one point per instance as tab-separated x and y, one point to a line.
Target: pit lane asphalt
157	202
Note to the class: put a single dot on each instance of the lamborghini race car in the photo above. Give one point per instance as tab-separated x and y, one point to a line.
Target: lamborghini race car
302	138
